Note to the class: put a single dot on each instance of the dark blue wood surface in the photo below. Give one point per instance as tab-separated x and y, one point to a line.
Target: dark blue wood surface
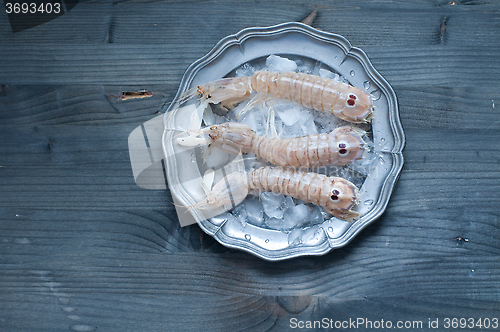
83	248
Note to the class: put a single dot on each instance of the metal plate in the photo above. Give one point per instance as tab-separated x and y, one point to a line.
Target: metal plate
334	51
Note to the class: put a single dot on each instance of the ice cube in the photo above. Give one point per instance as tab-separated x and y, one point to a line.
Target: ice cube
274	223
295	237
271	201
254	210
315	70
245	70
328	74
280	64
278	213
307	124
249	120
256	118
240	213
316	215
325	122
208	117
292	131
272	204
281	224
288	202
298	215
289	115
299	201
313	236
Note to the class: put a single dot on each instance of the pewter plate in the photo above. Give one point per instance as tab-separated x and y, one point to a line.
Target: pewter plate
308	44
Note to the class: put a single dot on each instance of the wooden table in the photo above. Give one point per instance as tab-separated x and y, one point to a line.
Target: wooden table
83	248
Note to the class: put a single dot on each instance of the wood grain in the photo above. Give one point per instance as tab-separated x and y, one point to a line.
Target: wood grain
82	248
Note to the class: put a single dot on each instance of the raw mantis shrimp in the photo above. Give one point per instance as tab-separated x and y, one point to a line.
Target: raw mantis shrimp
323	94
342	146
336	195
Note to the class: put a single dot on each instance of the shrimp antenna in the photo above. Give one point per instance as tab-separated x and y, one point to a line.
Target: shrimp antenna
191	207
187	95
182	98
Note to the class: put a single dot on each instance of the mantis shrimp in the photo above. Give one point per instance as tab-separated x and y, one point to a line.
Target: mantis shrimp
336	195
323	94
342	146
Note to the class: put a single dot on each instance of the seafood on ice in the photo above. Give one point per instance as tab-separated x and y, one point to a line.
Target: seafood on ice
336	195
342	146
345	101
297	104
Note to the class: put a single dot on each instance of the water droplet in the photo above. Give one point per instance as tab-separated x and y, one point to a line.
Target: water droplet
366	84
330	229
336	57
376	94
352	73
193	158
382	139
248	237
17	215
369	202
267	241
381	159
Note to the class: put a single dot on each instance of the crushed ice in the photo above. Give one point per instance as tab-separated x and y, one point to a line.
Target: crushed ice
277	63
276	211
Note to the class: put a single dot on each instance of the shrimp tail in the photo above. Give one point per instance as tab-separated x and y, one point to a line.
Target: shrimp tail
231	190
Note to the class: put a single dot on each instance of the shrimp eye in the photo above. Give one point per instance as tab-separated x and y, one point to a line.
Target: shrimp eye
209	96
342	147
335	194
352	100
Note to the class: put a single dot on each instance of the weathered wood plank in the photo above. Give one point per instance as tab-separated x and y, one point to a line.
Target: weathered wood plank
83	248
160	64
224	313
340	275
172	22
237	293
422	106
34	105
